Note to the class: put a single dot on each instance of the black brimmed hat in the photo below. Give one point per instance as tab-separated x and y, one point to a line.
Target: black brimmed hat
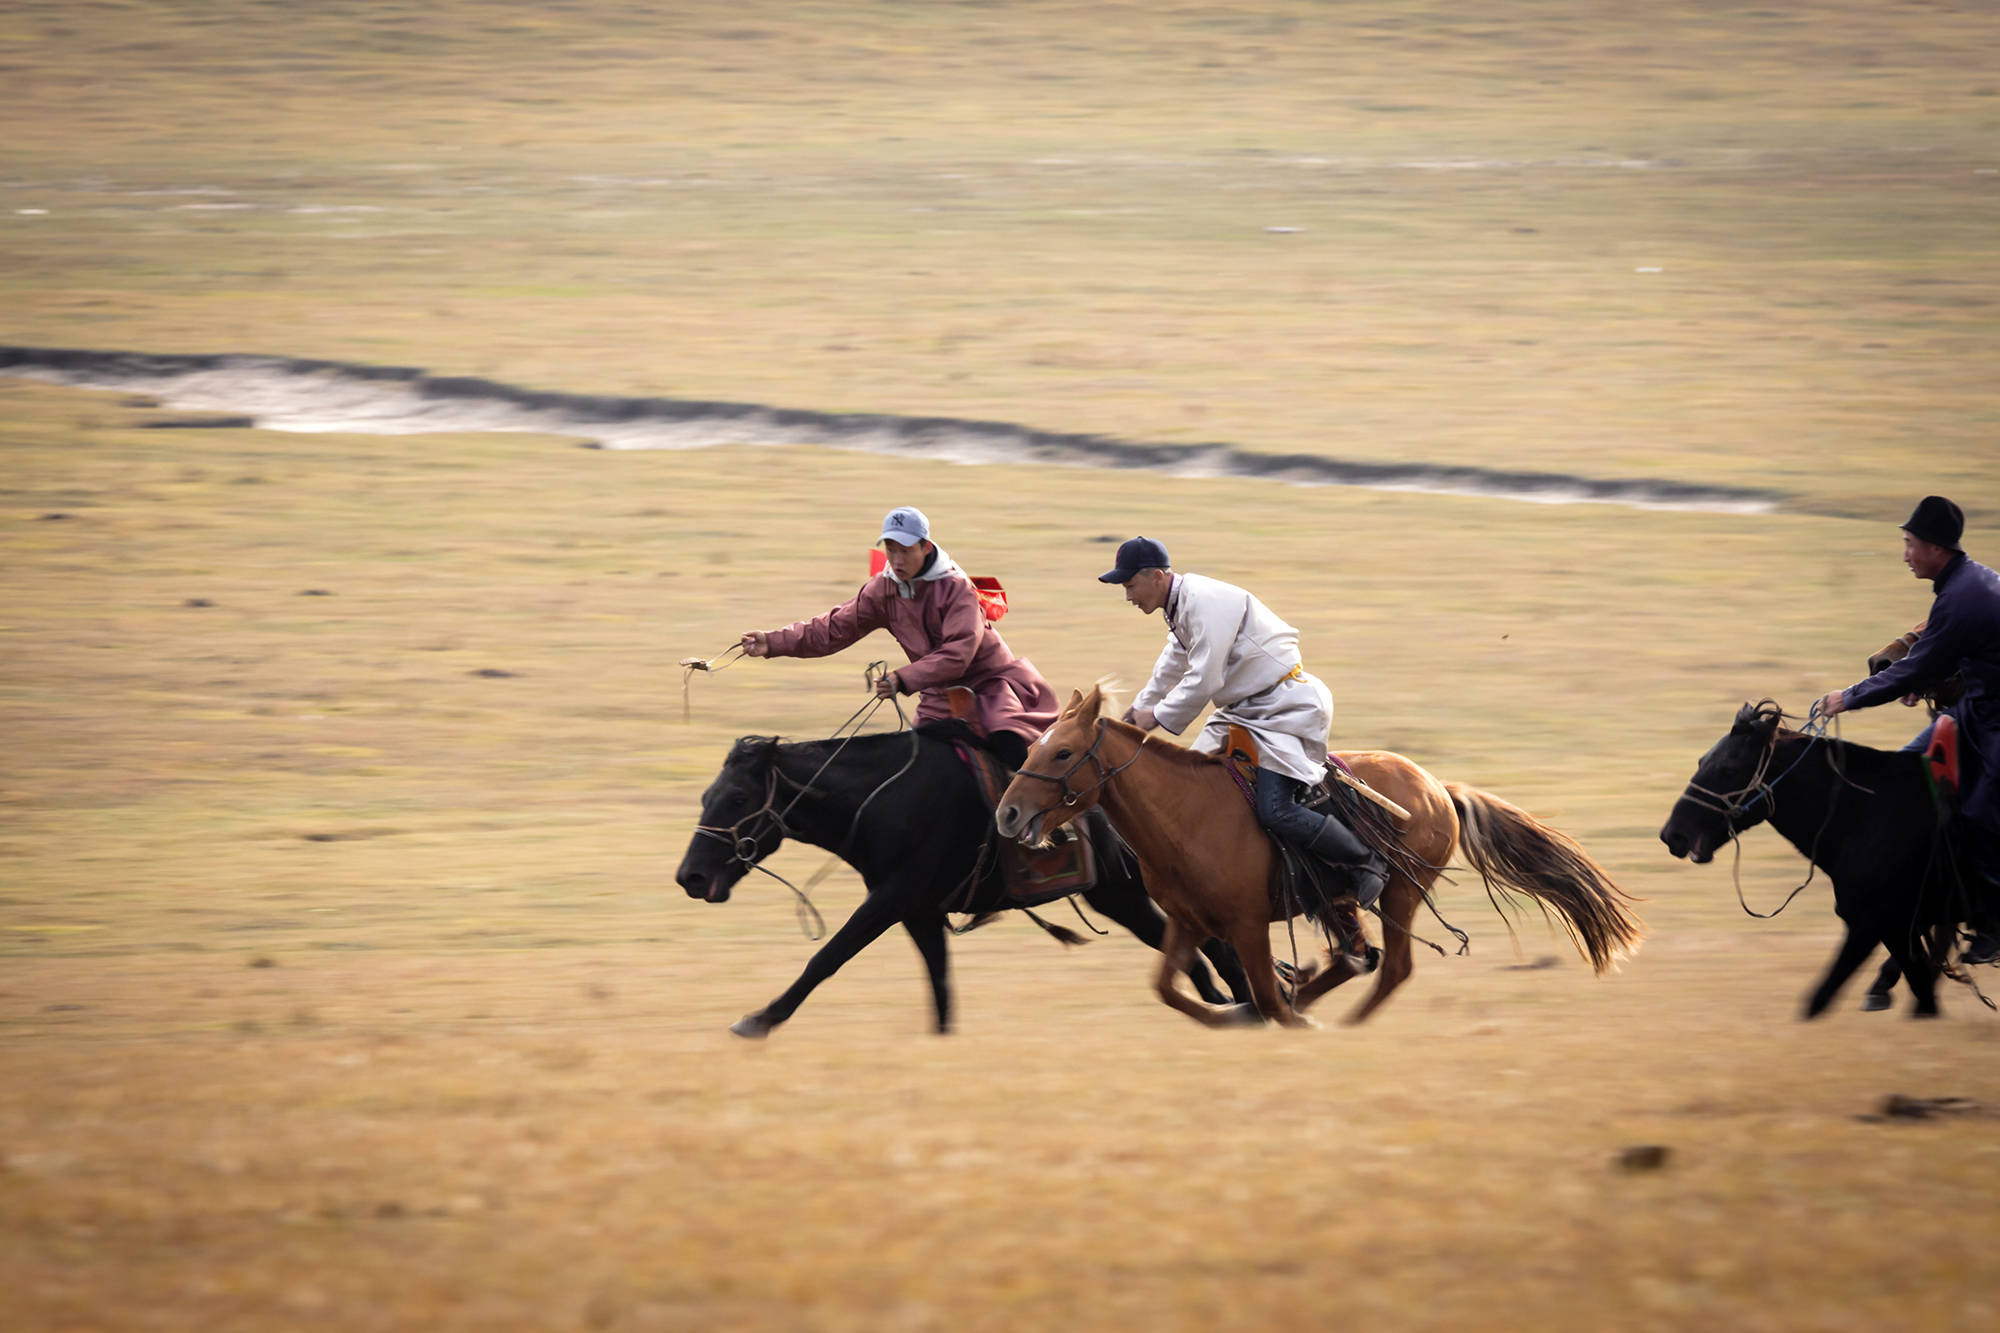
1935	520
1135	555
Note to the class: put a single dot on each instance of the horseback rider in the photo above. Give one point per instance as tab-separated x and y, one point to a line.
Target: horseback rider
1961	635
933	610
1225	646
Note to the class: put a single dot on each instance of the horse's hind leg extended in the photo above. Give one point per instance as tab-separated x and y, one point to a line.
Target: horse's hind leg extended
1399	912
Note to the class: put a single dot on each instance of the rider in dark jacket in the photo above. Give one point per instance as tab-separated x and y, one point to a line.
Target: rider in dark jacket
1962	635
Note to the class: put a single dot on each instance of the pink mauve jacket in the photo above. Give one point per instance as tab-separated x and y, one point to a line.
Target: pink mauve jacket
948	641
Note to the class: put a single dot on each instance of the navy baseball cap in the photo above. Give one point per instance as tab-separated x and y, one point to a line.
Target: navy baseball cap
1135	555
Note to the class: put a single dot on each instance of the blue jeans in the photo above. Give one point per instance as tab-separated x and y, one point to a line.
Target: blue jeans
1279	810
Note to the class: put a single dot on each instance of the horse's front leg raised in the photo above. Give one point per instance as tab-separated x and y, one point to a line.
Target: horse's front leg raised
875	915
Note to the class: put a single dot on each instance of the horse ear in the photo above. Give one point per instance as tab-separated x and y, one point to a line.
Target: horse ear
1093	703
1075	701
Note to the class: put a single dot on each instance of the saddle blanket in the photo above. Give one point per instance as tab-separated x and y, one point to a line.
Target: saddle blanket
1032	876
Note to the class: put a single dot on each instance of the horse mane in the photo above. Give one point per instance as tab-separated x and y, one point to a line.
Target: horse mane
1766	714
1181	754
757	750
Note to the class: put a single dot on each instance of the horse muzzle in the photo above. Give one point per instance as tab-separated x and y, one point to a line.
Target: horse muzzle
1014	821
701	884
1682	847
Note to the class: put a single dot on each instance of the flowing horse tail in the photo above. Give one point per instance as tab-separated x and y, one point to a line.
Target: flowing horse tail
1512	850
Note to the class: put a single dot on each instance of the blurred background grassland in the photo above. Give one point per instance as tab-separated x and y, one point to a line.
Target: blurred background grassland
1061	215
342	979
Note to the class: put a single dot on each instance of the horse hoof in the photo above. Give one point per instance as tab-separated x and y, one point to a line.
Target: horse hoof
1296	975
1243	1016
1368	962
1874	1002
752	1026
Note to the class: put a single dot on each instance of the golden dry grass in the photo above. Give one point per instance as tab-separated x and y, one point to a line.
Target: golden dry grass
484	1079
343	986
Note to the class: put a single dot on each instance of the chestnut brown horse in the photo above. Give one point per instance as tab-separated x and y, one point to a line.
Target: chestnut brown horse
1208	864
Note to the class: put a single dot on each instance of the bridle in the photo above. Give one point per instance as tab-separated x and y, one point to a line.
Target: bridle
1732	806
746	848
1091	757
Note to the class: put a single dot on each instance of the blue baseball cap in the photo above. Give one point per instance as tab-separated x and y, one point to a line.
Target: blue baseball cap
1138	554
905	527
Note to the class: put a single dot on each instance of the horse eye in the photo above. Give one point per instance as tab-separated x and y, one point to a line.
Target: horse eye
1062	754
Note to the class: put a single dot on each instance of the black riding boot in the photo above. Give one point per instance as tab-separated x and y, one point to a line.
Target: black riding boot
1367	868
1279	809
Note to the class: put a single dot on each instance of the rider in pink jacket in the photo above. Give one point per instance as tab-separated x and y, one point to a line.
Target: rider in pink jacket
933	611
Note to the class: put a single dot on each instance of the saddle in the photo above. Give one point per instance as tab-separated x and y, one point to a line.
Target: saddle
1941	759
1031	876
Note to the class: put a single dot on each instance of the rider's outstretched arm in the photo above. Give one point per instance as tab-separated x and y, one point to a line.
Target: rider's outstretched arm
848	623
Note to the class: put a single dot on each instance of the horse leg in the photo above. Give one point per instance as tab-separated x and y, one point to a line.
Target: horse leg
1877	998
1230	969
875	915
1342	966
1252	940
1175	951
928	932
1128	905
1399	912
1919	971
1854	951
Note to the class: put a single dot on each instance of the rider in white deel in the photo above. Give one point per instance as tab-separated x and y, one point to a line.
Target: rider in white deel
1226	647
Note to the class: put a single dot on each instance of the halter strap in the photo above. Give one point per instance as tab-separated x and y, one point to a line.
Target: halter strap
1090	756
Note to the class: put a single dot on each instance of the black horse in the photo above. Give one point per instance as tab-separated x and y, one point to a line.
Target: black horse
905	811
1866	817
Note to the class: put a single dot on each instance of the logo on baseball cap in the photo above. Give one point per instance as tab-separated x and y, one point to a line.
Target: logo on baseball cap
905	527
1135	555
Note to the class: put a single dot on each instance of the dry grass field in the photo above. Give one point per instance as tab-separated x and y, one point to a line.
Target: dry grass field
343	981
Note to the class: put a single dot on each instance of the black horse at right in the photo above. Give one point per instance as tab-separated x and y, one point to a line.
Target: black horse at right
1869	818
